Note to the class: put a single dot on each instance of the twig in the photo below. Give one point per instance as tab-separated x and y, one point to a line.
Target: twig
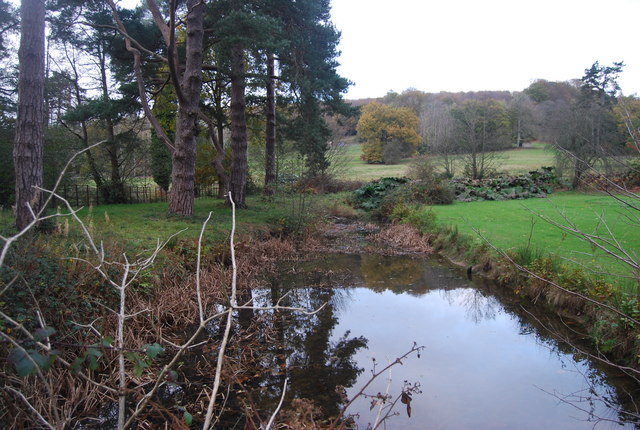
273	416
232	304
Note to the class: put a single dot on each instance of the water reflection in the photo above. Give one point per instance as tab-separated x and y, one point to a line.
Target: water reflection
486	366
305	349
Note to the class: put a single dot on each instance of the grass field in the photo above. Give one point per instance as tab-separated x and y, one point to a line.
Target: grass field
512	161
141	225
352	167
508	224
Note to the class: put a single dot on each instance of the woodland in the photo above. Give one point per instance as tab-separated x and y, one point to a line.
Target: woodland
230	116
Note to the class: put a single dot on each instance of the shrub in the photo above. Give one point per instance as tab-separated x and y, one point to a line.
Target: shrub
370	195
537	183
423	220
524	255
416	193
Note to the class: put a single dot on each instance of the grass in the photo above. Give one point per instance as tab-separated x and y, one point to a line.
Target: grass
508	224
141	225
513	161
522	160
352	167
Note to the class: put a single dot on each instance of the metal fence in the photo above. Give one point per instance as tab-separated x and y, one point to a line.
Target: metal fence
85	195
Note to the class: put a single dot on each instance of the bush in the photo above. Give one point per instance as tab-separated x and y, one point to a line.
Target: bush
537	183
370	195
416	193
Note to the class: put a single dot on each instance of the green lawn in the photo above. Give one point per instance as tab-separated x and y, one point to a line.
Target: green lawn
508	224
512	161
141	225
352	167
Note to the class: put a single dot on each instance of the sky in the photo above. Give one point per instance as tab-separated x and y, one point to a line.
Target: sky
473	45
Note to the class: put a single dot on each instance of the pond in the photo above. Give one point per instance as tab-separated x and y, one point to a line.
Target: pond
488	363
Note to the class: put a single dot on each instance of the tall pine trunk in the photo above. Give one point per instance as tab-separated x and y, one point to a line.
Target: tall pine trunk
238	182
184	155
270	151
114	192
29	139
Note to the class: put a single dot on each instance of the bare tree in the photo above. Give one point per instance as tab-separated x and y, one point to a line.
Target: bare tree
437	130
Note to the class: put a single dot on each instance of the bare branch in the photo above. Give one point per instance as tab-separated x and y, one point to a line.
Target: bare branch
273	416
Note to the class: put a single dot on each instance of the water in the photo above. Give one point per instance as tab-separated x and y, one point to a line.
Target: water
487	364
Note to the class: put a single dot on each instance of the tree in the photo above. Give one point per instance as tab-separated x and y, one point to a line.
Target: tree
241	32
8	18
29	139
481	127
270	141
520	109
308	66
437	128
588	132
388	133
187	83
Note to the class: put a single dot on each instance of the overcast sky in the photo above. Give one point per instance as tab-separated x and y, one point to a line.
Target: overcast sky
470	45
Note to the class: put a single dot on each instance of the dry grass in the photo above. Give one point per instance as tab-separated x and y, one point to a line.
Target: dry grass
403	238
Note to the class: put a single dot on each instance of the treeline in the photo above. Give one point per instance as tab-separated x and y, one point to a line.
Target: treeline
587	119
178	91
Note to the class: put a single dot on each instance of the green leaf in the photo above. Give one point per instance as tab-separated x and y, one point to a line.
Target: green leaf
93	352
75	366
107	341
23	365
139	367
153	350
188	418
41	360
93	362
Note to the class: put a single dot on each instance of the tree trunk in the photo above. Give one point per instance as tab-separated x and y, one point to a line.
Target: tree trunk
184	155
115	190
270	151
222	179
238	182
29	139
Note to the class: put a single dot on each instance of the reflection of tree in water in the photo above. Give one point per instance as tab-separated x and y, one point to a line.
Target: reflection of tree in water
409	275
315	365
397	274
479	306
299	348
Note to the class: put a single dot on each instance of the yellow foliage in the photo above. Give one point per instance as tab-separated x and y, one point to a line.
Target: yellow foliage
381	125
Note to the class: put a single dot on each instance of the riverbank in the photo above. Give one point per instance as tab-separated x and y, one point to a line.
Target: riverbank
607	313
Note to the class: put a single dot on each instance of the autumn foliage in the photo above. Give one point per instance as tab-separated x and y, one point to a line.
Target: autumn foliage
389	133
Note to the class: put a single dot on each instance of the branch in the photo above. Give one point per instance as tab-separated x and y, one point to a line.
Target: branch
8	241
273	416
137	67
414	348
227	330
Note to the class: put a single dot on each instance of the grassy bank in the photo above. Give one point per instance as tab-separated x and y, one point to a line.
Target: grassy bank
139	226
578	282
513	224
